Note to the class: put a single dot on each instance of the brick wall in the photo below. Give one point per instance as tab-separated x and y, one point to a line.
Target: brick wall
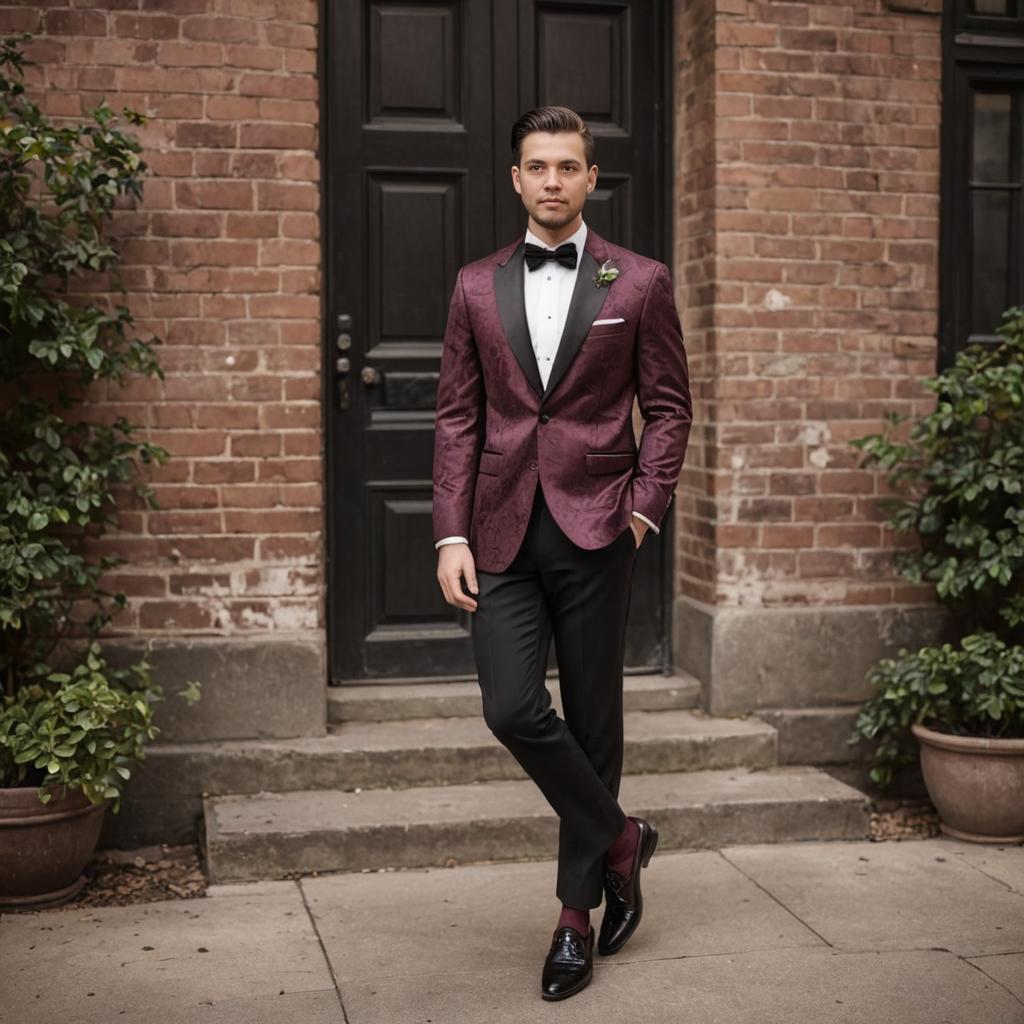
222	261
694	274
806	200
816	311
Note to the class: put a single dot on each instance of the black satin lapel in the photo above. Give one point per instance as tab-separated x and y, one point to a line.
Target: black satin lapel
508	292
587	300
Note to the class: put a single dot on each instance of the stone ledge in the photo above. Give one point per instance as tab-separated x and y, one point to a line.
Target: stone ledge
817	736
751	658
252	689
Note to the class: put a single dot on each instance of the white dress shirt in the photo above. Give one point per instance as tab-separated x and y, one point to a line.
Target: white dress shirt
547	292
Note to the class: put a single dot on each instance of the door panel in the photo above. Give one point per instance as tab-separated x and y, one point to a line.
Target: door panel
419	103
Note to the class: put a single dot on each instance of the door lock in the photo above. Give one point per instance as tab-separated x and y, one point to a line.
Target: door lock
343	364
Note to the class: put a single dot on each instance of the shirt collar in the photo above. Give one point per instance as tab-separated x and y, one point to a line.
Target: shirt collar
579	237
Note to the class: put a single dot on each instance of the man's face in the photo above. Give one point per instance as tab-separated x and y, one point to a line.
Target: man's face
553	178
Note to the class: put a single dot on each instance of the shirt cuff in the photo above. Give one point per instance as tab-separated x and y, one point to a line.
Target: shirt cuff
451	540
640	515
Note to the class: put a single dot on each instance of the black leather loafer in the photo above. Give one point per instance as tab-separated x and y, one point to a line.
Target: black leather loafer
569	965
623	901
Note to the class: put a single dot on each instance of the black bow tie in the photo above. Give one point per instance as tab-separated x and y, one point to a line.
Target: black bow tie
564	254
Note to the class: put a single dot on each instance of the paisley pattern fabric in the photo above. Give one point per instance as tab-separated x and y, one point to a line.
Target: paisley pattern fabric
499	433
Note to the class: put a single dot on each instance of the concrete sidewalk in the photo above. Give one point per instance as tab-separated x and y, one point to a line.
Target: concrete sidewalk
914	932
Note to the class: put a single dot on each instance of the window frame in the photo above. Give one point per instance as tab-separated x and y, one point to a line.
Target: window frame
976	51
967	22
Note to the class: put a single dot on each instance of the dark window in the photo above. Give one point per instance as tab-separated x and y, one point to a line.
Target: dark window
982	212
987	15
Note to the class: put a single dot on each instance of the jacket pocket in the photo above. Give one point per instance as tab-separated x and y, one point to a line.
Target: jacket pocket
490	462
610	462
603	331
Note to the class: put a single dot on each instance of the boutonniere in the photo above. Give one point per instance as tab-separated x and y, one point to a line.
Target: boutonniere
606	274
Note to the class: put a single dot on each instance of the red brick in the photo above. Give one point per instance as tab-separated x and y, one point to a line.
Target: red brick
255	444
290	548
232	108
188	497
829	564
252	496
277	136
291	470
75	23
199	583
863	535
252	225
184	522
215	195
765	510
302	37
146	26
284	196
184	443
282	86
220	30
292	416
306	442
792	536
174	615
135	584
266	521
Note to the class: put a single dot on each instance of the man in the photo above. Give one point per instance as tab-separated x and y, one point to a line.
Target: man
542	499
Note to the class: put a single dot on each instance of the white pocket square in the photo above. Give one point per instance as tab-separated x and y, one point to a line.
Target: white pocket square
602	323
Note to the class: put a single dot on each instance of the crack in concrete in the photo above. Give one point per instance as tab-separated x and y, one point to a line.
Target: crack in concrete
772	896
1013	995
323	950
963	859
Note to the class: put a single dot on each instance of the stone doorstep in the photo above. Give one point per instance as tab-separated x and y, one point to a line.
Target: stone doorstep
276	835
817	735
389	701
437	751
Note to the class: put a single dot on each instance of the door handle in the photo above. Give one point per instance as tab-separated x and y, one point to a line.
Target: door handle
370	376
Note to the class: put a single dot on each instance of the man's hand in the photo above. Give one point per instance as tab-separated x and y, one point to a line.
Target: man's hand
639	528
455	561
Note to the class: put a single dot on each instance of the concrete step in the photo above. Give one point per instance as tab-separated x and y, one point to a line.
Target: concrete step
277	835
440	751
817	736
391	701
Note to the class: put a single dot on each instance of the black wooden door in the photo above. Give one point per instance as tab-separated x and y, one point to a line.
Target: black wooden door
419	99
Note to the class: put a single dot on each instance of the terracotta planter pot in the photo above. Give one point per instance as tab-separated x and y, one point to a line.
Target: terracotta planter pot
976	784
45	847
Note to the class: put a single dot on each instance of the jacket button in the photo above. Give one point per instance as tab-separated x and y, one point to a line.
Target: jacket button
544	417
533	465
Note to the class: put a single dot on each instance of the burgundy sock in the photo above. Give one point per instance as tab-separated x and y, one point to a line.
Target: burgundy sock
574	918
620	853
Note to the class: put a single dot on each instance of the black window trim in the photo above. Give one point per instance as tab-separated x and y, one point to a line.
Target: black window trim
976	50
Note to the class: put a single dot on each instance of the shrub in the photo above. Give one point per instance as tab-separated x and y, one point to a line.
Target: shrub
59	472
961	472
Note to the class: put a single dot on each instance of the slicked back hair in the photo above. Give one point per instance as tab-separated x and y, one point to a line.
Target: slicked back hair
551	119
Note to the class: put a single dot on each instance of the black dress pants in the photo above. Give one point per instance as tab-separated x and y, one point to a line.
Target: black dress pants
554	588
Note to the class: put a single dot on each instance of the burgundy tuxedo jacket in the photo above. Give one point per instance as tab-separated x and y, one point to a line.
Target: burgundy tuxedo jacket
499	431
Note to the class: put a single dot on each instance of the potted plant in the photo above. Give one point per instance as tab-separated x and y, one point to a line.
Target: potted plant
959	706
70	727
